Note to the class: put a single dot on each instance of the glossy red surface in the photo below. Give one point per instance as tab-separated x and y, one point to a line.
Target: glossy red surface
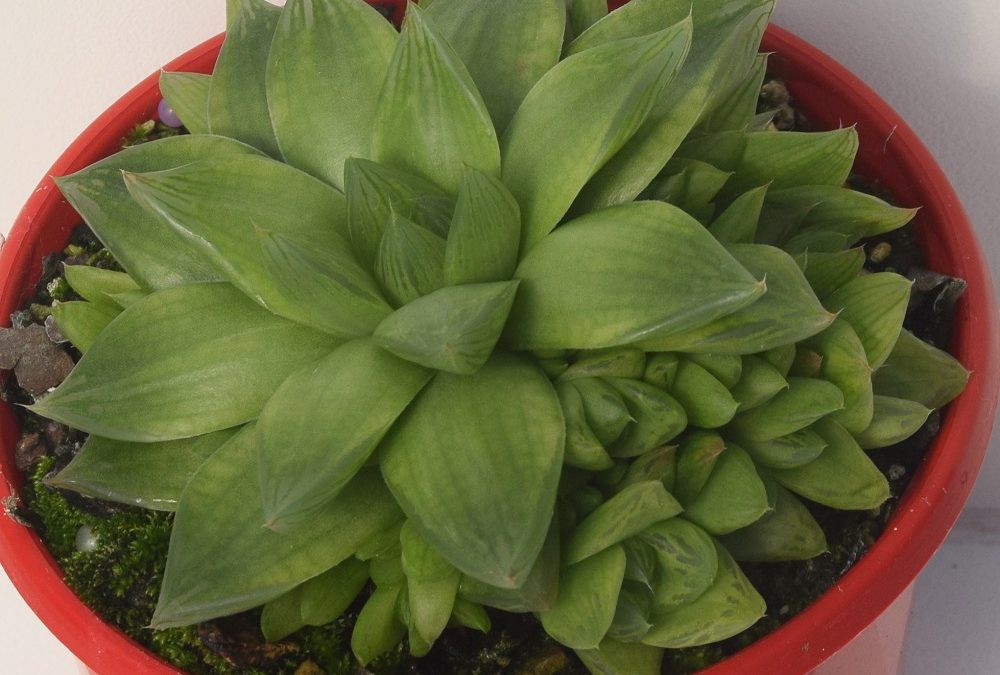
830	96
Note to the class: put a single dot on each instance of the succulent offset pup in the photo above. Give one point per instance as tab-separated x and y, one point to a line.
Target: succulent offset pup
517	310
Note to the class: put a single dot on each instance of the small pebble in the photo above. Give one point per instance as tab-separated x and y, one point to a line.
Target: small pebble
896	471
880	252
86	540
52	330
167	115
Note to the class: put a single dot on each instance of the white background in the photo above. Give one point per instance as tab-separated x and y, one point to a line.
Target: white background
62	62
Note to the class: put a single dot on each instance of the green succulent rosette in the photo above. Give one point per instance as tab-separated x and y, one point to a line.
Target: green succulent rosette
518	310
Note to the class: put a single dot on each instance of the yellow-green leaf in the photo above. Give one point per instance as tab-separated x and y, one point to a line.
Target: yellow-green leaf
187	95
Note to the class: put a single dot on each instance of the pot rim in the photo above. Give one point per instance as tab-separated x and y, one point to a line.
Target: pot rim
922	519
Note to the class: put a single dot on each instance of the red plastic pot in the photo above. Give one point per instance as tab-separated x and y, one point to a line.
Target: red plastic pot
890	155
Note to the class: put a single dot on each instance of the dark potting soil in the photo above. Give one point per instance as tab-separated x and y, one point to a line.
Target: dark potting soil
113	555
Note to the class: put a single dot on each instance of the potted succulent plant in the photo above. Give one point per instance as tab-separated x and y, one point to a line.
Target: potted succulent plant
476	315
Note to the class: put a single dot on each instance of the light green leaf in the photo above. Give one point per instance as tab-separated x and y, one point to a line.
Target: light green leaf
471	615
631	620
918	371
99	285
738	223
505	52
150	475
633	19
600	281
485	232
786	452
588	596
538	592
324	74
237	100
759	382
154	255
376	193
827	272
627	362
874	305
378	628
727	368
320	286
581	112
691	185
781	358
706	401
737	110
431	584
187	95
843	477
895	420
696	458
454	328
585	13
725	34
832	208
787	312
622	658
410	261
431	119
333	413
503	422
659	464
728	607
316	602
733	497
661	369
583	449
626	514
805	400
657	416
209	575
687	560
82	322
606	411
182	362
845	364
789	532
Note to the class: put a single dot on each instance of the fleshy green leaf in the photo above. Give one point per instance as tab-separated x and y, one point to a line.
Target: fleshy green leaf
378	628
150	475
333	413
581	112
805	400
918	371
321	286
483	239
588	596
759	382
627	513
600	280
454	328
725	34
606	411
687	560
659	464
738	223
503	422
786	452
376	193
727	368
471	615
729	606
324	74
706	401
431	119
657	417
874	305
316	602
583	449
182	362
661	369
627	362
737	110
732	498
696	457
82	322
237	100
631	620
843	477
410	261
633	19
585	13
505	52
154	255
691	185
187	95
827	272
846	365
622	658
787	312
99	285
228	563
789	532
895	420
431	583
